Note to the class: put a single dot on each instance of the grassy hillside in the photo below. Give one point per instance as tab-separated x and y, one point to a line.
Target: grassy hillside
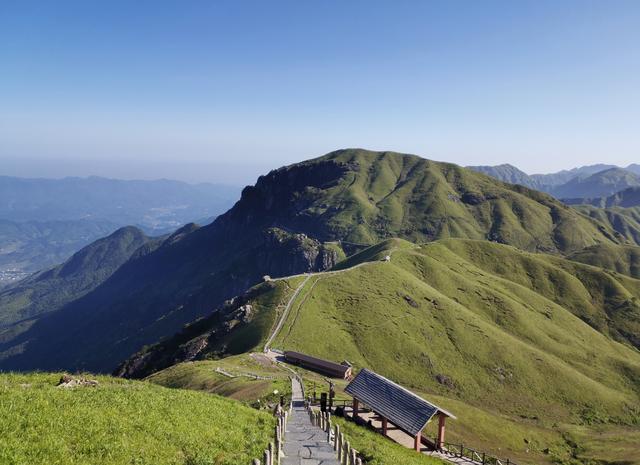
621	259
23	305
382	195
533	352
516	344
295	219
122	423
625	221
202	376
516	331
248	378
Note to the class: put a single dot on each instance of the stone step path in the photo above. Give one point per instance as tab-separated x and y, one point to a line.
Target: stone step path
304	443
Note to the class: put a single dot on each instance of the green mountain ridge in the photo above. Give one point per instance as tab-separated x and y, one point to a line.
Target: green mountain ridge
624	221
535	338
304	217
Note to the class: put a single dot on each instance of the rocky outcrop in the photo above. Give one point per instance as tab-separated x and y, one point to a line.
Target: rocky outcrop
204	338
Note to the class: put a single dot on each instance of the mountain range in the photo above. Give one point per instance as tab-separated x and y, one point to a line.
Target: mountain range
585	182
44	221
304	217
498	298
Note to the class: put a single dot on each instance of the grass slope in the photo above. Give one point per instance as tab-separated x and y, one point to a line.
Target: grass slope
122	423
518	336
295	219
385	194
625	221
202	376
521	346
621	259
205	376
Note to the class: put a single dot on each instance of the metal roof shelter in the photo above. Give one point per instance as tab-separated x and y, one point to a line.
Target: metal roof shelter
396	404
326	367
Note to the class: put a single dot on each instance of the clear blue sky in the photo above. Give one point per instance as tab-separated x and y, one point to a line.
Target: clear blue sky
221	91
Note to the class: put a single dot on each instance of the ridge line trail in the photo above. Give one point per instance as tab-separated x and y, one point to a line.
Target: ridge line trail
308	276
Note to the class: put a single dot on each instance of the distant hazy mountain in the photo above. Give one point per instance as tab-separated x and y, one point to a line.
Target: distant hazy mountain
542	182
625	198
584	182
511	174
564	176
601	184
634	168
151	204
44	221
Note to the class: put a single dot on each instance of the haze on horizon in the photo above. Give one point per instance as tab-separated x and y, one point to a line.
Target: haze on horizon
224	91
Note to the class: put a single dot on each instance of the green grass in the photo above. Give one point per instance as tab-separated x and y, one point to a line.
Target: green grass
524	348
625	221
378	450
202	376
123	423
523	340
380	195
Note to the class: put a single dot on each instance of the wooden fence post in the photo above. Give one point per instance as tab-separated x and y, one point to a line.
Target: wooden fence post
256	461
266	457
339	446
353	457
336	434
347	453
278	445
329	431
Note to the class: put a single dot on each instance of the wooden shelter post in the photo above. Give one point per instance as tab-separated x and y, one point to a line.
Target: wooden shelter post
355	408
441	421
385	426
417	441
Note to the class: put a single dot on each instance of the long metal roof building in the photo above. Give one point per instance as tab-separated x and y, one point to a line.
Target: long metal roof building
326	367
403	408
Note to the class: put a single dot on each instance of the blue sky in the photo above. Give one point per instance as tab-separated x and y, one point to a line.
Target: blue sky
222	91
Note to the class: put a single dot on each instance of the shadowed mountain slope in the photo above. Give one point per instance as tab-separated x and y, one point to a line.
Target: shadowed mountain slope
47	291
536	339
295	219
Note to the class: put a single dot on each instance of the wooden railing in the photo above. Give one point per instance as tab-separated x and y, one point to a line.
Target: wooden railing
460	450
347	455
271	455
